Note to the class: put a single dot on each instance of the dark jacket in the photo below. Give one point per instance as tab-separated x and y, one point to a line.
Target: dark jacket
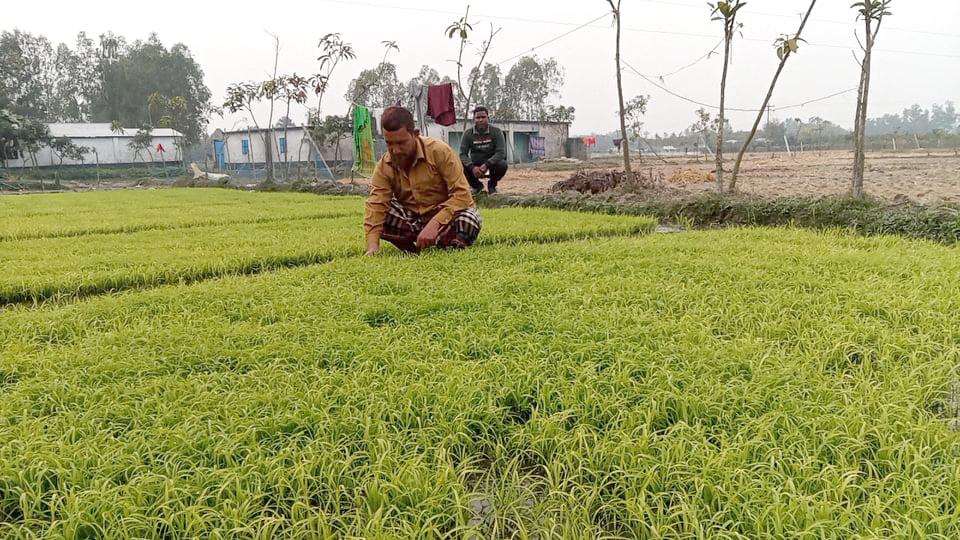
487	147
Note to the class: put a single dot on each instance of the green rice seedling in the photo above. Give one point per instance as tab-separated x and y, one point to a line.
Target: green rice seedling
62	267
727	384
79	214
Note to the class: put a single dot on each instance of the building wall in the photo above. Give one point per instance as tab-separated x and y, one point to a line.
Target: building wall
555	135
297	146
110	150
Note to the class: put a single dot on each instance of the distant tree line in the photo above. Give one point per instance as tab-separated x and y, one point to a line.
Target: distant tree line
141	83
524	93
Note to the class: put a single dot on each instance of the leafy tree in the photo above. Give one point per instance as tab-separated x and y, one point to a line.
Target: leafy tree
65	148
9	132
378	87
145	68
559	113
142	140
702	128
28	74
633	114
32	136
528	87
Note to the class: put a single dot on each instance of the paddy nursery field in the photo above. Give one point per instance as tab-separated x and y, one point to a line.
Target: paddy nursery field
220	364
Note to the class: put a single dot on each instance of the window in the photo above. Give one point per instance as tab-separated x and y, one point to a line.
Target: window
283	145
246	146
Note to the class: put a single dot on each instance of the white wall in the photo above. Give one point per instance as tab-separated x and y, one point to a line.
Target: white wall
111	150
296	151
555	134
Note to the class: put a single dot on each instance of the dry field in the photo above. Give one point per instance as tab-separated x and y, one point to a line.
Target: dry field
919	177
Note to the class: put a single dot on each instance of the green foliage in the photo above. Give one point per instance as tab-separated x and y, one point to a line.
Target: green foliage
66	149
786	45
84	83
633	113
721	384
873	10
378	87
559	113
142	140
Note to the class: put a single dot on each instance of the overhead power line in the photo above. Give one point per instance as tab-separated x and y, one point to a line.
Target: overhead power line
628	29
734	109
700	6
561	36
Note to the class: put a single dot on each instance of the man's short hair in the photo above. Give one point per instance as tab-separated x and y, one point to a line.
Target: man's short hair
481	109
397	117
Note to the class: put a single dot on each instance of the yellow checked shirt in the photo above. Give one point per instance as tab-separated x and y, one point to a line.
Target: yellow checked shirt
436	181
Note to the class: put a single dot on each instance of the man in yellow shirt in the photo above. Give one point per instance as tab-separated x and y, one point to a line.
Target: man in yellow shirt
419	196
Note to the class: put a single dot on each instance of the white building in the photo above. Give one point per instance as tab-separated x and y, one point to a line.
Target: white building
104	146
518	135
244	149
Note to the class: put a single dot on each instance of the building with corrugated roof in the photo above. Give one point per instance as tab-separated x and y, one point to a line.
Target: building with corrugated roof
104	146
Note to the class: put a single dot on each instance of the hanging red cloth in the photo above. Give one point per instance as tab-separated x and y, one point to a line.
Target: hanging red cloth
440	105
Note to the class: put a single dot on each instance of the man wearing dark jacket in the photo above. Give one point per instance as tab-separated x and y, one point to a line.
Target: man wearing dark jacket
483	151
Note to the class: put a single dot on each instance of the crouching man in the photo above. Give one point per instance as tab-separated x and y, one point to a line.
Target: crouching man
483	153
419	195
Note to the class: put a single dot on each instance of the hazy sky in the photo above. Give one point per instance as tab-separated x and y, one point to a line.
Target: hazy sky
917	58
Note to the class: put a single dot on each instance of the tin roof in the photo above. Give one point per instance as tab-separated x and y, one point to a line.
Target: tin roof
97	130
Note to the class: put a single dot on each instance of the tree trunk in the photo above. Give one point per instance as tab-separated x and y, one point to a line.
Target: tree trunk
766	101
286	143
623	120
728	38
268	152
859	156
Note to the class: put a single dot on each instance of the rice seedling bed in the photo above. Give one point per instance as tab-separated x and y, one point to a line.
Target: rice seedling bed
79	214
49	268
728	384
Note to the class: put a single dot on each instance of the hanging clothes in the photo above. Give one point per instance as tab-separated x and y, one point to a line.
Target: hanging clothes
440	105
364	157
538	146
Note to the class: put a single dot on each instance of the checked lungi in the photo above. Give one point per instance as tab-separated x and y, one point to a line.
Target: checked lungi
402	227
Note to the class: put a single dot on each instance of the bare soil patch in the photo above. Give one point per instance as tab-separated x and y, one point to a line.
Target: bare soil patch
918	177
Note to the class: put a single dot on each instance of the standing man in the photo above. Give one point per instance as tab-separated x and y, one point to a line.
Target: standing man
482	152
419	197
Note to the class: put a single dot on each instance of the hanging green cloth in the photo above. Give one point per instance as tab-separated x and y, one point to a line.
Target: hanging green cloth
364	159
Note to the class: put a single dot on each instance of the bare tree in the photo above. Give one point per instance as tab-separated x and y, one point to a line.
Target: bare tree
335	50
623	114
725	12
462	29
701	127
872	12
786	47
293	89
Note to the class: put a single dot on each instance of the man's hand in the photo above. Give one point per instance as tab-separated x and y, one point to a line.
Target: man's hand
484	169
428	236
478	171
372	248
